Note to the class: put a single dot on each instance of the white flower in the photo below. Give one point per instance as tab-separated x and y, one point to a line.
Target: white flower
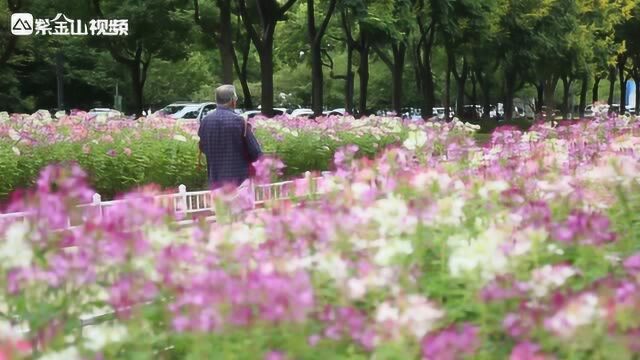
360	188
449	210
392	216
13	135
391	250
492	187
549	277
420	316
4	117
96	337
387	312
356	288
481	256
530	136
180	138
15	251
333	265
416	139
70	353
11	332
160	236
581	311
555	249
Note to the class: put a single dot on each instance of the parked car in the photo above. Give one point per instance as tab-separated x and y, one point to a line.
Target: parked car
253	113
471	112
439	112
518	112
187	110
302	113
334	112
109	113
588	111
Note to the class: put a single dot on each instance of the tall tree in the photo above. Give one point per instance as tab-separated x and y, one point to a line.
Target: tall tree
269	13
7	41
219	27
244	44
315	43
424	39
395	34
146	40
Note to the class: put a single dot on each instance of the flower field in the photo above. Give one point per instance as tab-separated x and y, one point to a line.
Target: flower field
526	247
123	154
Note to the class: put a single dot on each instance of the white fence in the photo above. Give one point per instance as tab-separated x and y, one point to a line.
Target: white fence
184	204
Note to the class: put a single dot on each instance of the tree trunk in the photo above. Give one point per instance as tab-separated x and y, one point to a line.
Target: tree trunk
242	75
566	92
226	42
428	87
447	87
137	88
399	52
549	95
623	87
349	83
540	96
461	81
363	74
266	74
595	90
486	95
583	94
612	84
637	81
317	78
474	90
510	87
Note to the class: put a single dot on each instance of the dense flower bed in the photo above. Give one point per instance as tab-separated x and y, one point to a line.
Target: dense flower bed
123	154
525	248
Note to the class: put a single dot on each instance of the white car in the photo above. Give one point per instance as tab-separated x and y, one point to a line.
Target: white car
109	113
188	110
335	112
302	113
253	113
439	112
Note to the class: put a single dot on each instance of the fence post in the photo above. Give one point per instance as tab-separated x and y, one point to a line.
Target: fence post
307	176
97	200
182	190
252	188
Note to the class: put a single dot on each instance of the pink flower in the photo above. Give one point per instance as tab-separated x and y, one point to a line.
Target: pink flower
268	169
585	228
451	343
275	355
528	351
632	264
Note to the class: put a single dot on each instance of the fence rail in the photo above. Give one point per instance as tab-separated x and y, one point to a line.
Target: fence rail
184	204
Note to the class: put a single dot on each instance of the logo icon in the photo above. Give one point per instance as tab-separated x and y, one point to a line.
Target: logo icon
21	24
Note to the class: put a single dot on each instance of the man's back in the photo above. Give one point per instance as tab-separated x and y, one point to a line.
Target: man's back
229	152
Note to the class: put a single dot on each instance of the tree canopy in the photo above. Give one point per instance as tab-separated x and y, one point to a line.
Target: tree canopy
322	54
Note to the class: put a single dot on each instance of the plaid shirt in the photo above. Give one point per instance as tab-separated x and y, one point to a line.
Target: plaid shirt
223	143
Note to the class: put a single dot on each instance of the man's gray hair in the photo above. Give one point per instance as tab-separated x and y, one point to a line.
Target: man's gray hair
225	94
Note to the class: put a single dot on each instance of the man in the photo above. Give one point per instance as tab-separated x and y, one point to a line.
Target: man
227	141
